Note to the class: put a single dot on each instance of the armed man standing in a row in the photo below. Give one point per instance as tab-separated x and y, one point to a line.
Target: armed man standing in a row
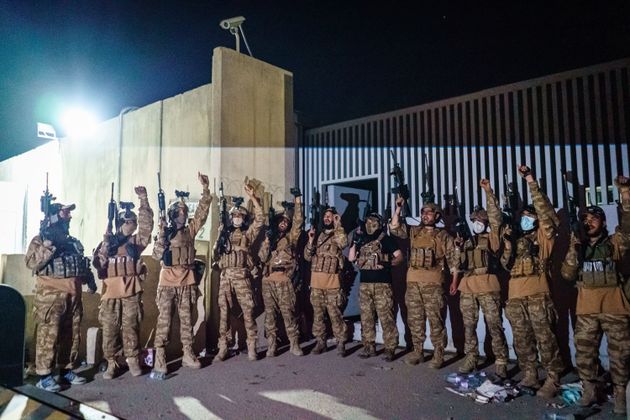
279	258
324	251
236	262
596	260
375	252
479	286
529	308
177	288
56	258
431	250
118	262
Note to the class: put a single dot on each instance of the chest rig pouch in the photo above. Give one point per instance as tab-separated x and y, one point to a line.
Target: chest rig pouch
371	255
328	257
598	269
69	262
181	249
125	265
477	254
282	258
239	256
423	250
526	261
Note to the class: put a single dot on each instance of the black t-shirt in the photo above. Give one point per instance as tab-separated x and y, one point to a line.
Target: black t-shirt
389	246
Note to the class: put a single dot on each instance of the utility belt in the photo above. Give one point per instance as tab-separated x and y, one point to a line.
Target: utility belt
124	266
67	266
278	269
179	255
326	264
422	258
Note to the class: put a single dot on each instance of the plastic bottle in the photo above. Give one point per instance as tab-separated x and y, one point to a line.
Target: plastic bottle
558	416
453	378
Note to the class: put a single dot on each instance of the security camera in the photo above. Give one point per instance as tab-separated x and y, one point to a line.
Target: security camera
231	23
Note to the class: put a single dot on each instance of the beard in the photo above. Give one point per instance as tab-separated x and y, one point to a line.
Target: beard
328	225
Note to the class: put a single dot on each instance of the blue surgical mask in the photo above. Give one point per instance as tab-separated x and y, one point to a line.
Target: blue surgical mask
527	223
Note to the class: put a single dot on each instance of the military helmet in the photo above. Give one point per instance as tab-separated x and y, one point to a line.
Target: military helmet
239	210
173	209
125	215
479	213
431	206
282	215
376	216
595	211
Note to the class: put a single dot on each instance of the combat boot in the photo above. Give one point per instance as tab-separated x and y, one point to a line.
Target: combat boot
469	365
589	394
133	365
551	386
530	379
341	349
368	351
620	400
189	359
388	356
320	347
159	366
415	357
295	347
271	350
222	354
251	351
110	373
500	369
438	359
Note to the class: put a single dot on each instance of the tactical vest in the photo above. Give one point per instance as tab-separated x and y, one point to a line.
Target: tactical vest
123	265
239	256
66	266
181	249
527	261
598	269
328	257
423	250
371	255
282	258
477	256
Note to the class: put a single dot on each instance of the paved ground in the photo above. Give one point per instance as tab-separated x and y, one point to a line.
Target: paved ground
309	387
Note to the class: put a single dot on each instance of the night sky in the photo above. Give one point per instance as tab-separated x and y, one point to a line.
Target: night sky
349	59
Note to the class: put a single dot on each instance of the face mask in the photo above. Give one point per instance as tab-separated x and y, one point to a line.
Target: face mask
527	223
237	221
478	227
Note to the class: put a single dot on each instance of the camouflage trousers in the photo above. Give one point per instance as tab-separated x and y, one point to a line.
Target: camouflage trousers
58	316
330	301
425	302
120	319
279	296
236	282
170	299
378	299
532	319
490	304
587	337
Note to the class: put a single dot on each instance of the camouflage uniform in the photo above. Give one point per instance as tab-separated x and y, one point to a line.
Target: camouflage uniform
375	292
602	306
61	269
430	251
327	261
236	266
123	272
277	287
177	288
529	308
480	287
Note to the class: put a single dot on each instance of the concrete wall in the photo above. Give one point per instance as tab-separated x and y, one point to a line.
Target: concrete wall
229	129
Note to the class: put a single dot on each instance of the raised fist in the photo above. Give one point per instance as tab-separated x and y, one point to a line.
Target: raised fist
524	170
141	191
485	184
203	179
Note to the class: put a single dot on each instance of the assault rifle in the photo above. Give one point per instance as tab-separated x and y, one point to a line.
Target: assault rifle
427	195
510	203
315	218
569	202
111	212
161	199
272	228
400	187
45	203
461	225
359	236
223	243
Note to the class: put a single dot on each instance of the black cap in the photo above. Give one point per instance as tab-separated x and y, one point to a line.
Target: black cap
595	211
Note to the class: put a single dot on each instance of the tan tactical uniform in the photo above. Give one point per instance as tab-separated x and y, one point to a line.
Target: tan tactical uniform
121	310
602	306
177	289
529	308
236	267
327	261
277	287
480	287
430	250
58	307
